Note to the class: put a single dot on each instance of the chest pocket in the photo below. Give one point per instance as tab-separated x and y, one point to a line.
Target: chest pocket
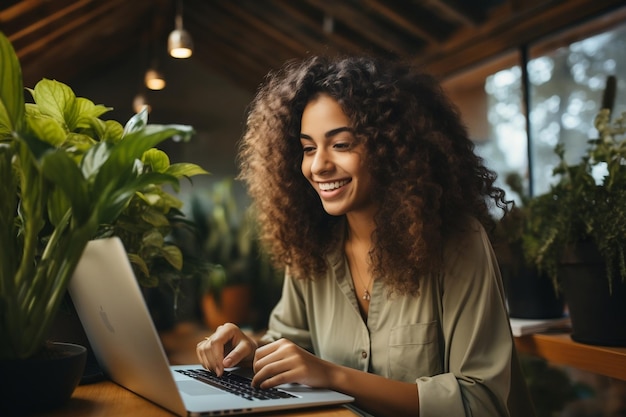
414	351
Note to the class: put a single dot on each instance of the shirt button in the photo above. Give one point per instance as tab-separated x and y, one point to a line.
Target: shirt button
364	354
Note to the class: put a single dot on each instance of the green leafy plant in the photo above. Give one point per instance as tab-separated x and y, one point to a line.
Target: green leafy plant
225	236
146	224
587	204
550	387
67	176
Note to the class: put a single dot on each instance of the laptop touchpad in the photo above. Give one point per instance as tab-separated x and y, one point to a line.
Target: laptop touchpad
197	388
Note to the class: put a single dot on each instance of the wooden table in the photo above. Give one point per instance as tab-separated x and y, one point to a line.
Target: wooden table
108	399
560	349
111	400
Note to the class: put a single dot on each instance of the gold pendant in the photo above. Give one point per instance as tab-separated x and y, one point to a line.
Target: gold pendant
366	296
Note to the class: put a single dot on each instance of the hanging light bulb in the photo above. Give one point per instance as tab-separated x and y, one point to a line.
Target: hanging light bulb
140	101
179	43
154	79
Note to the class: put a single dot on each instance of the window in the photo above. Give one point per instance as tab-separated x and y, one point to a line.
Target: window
490	101
566	79
566	87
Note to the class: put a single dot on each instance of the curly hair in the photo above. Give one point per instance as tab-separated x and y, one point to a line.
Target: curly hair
427	177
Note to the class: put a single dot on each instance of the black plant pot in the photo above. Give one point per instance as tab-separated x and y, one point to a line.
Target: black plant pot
67	328
598	312
43	382
529	294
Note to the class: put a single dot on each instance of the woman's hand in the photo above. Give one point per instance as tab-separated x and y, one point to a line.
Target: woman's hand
283	362
225	348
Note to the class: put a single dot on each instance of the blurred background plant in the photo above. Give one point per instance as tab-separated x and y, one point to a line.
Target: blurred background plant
550	387
587	202
226	236
148	227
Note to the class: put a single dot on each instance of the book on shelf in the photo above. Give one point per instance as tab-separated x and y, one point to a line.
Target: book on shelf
521	327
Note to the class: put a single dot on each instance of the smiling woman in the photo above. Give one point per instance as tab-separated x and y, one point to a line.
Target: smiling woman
392	293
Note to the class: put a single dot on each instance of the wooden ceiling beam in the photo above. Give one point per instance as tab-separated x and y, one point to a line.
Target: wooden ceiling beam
62	55
333	39
449	12
21	8
64	26
399	20
251	46
250	19
365	26
70	37
246	75
506	31
286	19
225	48
51	19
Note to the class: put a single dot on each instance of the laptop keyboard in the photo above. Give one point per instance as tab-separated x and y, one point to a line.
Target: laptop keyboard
235	384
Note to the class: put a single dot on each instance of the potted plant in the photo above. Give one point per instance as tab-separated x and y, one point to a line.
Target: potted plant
147	227
530	293
66	174
577	232
227	238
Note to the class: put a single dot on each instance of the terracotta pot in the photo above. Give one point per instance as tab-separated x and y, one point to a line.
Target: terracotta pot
41	383
233	306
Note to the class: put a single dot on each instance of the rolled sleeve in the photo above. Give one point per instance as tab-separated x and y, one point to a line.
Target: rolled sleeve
439	396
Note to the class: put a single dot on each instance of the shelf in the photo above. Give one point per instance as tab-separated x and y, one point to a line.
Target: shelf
561	349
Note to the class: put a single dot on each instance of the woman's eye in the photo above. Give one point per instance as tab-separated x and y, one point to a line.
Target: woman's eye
343	145
307	149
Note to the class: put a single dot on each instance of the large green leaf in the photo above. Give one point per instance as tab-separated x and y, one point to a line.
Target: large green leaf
173	255
137	122
185	169
95	157
87	110
62	171
155	218
115	195
48	129
58	206
157	159
8	204
132	147
56	100
78	144
113	131
11	89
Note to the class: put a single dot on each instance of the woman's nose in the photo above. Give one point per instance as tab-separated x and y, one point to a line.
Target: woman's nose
321	162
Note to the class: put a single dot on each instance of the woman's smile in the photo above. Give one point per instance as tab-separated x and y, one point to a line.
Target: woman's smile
332	185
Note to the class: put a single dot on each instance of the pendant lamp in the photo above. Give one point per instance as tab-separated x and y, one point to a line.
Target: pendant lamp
154	79
179	43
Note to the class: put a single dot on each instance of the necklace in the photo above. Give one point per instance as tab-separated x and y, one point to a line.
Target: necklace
366	294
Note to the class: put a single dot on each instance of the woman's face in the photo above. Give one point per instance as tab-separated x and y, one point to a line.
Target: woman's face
333	161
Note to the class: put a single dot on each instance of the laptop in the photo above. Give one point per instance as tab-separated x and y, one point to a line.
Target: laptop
125	342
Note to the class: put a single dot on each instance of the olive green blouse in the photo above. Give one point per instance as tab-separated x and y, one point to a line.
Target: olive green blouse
453	340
